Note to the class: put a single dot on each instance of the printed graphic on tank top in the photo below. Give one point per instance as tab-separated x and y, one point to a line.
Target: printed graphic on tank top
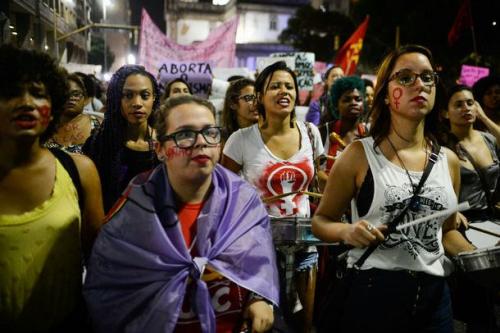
417	247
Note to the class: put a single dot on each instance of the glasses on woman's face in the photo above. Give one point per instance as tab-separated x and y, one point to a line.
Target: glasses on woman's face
76	94
407	77
248	98
186	138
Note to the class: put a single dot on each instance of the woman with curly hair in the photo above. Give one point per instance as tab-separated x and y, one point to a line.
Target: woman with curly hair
339	126
49	216
240	109
123	146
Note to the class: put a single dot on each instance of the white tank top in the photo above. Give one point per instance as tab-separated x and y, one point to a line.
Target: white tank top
419	247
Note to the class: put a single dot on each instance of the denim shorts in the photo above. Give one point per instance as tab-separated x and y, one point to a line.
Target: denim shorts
304	260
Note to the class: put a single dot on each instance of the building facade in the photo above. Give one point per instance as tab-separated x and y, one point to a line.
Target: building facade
38	24
260	23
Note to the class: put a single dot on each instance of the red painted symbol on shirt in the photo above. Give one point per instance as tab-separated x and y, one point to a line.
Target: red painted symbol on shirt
396	94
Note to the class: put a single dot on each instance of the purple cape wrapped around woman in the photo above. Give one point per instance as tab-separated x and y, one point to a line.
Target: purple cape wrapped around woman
140	265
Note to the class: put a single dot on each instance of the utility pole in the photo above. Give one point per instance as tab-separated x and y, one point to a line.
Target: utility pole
105	36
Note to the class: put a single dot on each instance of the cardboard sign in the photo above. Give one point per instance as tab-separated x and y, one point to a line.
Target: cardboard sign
198	74
219	88
304	64
263	62
470	74
225	73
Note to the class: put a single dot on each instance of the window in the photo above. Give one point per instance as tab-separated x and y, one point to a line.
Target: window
273	22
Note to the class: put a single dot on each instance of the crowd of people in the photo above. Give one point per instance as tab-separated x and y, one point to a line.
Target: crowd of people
137	211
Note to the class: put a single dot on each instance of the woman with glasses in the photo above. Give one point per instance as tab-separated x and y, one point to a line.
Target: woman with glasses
240	109
378	177
188	248
277	156
74	127
123	146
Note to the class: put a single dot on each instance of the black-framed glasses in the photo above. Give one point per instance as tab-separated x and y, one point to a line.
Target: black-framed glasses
186	138
248	98
76	94
406	77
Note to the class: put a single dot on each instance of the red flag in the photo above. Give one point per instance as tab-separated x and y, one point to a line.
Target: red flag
462	21
348	56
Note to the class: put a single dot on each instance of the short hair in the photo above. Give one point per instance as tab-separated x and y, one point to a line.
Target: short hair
479	88
161	123
229	115
339	87
21	66
324	77
368	83
380	111
261	87
77	79
166	93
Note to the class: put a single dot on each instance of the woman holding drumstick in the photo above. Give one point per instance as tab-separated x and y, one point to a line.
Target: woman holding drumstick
277	156
380	174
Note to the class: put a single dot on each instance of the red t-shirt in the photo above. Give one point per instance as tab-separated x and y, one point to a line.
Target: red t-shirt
228	299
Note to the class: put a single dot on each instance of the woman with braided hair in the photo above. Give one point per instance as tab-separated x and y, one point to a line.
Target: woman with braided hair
123	146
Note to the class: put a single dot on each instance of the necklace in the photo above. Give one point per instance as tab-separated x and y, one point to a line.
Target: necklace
415	203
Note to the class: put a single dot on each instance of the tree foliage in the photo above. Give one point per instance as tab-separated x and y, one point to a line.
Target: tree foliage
425	22
312	30
96	54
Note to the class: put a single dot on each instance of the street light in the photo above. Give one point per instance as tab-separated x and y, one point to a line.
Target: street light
105	3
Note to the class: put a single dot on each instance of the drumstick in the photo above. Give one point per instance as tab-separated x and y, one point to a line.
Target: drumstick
312	194
337	138
473	227
461	206
279	196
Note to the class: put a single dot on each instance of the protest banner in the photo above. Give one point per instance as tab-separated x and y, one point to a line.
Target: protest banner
219	48
470	74
197	74
304	64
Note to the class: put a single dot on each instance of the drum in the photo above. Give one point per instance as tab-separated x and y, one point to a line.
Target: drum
293	231
482	266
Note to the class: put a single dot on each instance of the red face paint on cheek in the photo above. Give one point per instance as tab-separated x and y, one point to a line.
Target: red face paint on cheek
173	152
45	115
397	93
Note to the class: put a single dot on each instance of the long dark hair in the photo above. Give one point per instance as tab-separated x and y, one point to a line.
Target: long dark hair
381	114
446	137
261	87
229	114
105	146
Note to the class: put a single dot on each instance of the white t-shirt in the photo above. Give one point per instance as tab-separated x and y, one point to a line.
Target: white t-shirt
272	175
418	247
